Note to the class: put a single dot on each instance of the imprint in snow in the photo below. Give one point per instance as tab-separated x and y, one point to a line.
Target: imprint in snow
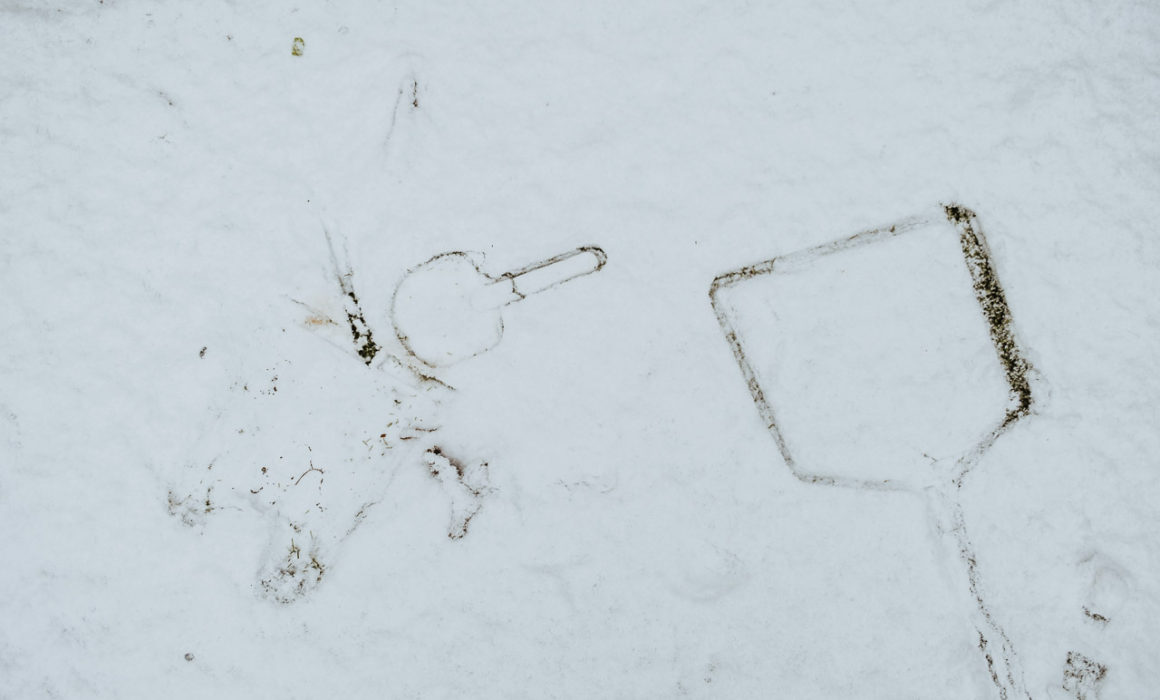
707	572
1107	591
464	484
447	309
887	361
1082	676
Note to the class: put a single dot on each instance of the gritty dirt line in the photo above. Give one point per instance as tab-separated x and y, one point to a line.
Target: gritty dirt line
364	342
993	302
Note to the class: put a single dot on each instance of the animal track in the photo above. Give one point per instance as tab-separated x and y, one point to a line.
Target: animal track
465	486
297	573
1082	676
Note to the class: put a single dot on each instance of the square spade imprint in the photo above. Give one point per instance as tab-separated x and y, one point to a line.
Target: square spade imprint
887	361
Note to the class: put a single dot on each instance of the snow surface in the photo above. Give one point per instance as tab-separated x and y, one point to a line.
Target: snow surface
221	474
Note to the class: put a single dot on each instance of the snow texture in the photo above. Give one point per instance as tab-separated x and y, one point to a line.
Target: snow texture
223	473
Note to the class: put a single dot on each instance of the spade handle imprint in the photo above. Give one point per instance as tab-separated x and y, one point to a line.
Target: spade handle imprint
520	284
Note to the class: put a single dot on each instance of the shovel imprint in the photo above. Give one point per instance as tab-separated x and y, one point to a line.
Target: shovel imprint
887	361
447	309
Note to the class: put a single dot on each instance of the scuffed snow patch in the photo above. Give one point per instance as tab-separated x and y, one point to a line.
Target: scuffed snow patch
311	444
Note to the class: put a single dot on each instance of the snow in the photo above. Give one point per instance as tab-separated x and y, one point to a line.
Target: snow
202	204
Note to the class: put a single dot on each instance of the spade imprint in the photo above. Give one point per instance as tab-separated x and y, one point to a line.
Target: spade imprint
447	309
900	380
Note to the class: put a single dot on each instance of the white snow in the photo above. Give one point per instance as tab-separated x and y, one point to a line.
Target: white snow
200	203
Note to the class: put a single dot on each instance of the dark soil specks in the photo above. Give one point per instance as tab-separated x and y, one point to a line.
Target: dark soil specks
1082	676
993	302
